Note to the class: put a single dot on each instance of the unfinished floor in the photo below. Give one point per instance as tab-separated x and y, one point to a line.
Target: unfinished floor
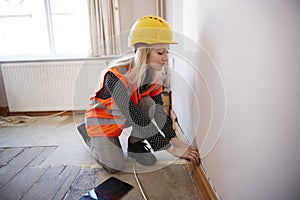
46	160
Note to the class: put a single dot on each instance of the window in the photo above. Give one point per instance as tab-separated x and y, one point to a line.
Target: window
44	28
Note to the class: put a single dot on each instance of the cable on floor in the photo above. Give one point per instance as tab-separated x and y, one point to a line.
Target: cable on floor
22	120
137	180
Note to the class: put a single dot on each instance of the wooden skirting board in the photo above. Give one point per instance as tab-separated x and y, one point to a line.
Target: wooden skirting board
44	113
205	190
3	111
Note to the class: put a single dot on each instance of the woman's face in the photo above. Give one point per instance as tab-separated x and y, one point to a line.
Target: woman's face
158	56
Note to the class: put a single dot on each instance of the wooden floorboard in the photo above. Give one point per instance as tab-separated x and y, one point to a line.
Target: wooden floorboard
1	150
61	193
7	154
43	155
17	164
23	176
49	185
21	184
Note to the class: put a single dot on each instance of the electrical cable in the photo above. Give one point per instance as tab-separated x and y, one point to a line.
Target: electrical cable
137	180
23	120
15	121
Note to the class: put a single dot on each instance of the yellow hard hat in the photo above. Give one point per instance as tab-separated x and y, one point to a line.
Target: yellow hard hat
150	29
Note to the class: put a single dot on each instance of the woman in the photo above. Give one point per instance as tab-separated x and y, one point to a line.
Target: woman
129	94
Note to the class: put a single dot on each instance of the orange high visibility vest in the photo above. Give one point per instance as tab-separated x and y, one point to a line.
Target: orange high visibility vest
103	117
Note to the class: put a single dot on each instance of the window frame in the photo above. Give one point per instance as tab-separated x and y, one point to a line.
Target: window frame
52	55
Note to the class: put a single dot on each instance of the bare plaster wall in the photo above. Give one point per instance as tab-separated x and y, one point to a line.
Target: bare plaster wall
255	48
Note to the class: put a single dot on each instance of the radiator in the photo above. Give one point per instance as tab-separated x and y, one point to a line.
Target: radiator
50	86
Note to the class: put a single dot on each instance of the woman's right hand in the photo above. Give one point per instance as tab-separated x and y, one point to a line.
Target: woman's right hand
186	152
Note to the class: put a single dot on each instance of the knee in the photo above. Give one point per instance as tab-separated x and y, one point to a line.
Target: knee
108	153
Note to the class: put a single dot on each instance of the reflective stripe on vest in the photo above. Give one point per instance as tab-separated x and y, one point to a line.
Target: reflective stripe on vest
97	121
103	117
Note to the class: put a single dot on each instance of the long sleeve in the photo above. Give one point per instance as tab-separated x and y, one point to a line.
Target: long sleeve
165	125
133	114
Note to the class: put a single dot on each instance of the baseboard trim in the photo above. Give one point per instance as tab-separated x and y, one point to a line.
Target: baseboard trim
46	113
3	111
204	188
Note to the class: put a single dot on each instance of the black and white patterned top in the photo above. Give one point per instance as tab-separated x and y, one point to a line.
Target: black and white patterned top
114	88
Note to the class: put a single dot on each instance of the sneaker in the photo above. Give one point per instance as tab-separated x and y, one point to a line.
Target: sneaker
141	153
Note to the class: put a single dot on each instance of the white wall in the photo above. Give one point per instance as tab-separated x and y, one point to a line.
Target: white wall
130	11
255	46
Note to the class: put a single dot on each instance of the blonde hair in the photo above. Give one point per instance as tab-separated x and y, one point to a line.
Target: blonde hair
136	64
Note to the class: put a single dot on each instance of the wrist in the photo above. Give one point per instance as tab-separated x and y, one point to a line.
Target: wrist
174	139
170	149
